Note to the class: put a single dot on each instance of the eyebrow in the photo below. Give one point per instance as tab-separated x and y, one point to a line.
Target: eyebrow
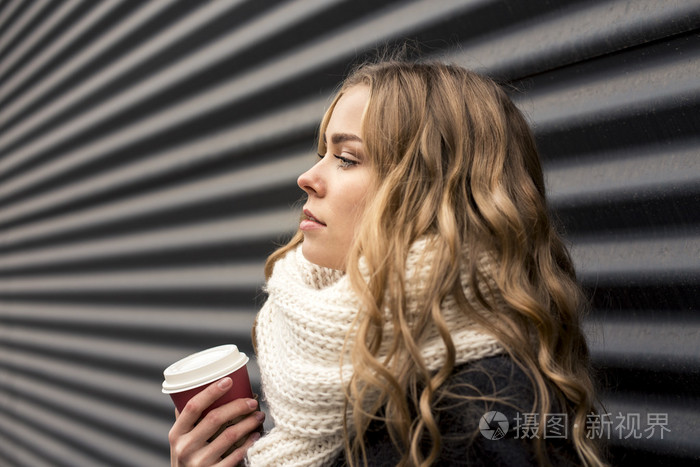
338	138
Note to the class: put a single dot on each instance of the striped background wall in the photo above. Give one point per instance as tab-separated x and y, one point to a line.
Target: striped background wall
148	161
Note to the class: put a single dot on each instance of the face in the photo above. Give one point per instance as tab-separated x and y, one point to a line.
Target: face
337	185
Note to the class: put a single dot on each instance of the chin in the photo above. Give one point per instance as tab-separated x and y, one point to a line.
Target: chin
320	258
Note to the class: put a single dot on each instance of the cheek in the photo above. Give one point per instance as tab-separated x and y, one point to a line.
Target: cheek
353	199
357	203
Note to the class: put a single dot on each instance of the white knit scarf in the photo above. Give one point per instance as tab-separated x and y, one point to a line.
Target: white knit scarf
300	333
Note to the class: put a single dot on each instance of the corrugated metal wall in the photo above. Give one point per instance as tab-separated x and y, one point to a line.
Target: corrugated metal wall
148	159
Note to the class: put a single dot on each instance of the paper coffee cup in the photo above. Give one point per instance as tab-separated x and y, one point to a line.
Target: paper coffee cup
191	375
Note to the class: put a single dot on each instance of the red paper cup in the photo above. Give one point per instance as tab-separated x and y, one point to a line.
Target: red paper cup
191	375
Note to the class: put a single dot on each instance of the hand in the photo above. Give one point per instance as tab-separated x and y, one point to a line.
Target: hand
189	445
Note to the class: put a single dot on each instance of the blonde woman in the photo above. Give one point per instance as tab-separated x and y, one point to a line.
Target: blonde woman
425	292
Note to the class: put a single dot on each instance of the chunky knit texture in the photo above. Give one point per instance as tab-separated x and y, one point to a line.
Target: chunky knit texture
300	334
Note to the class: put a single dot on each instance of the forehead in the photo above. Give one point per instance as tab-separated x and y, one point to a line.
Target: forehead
348	111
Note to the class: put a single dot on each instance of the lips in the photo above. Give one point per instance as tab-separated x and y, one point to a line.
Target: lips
309	216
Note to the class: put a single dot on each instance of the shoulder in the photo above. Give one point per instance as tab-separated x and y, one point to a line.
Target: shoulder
483	411
475	409
470	409
493	376
495	383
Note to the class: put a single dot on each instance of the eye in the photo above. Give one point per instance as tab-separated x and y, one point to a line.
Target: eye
345	162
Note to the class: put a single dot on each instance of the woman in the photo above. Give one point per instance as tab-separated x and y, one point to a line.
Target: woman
426	291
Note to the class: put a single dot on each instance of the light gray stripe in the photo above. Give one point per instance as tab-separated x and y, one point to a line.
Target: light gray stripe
609	259
171	279
28	71
153	319
35	8
285	121
567	31
116	33
222	49
106	443
7	12
344	43
624	174
15	434
131	355
650	344
613	94
35	36
237	183
238	229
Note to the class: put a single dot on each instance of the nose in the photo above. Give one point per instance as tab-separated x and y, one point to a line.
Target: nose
312	182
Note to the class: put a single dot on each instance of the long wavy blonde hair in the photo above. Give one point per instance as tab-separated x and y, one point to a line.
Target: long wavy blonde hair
454	158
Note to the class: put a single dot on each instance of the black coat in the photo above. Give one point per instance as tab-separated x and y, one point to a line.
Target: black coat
463	442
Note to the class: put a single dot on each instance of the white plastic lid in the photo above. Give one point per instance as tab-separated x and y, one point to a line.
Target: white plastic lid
202	368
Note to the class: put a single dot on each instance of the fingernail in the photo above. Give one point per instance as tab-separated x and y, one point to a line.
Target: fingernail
225	383
255	436
252	403
260	416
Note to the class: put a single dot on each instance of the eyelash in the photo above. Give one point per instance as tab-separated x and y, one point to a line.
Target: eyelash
344	161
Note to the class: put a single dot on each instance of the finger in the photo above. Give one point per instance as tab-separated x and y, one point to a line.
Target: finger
195	406
229	439
233	411
239	454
